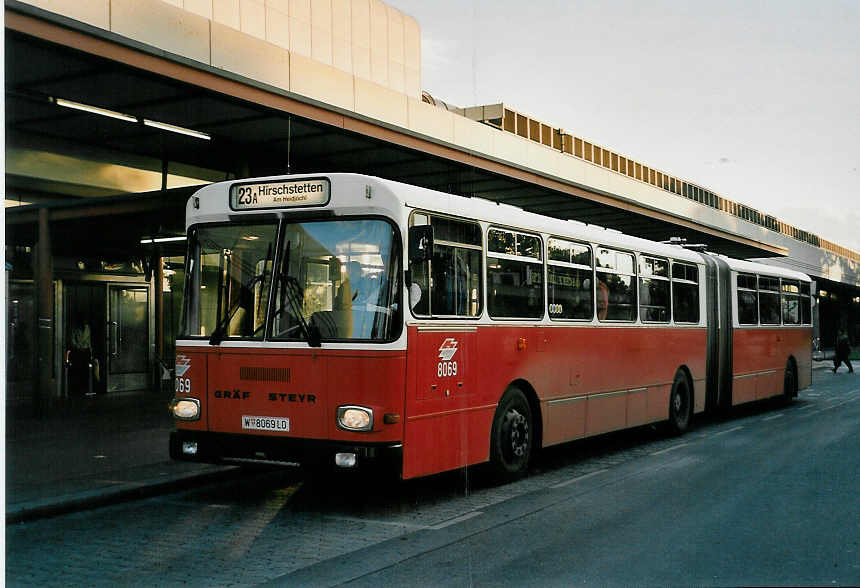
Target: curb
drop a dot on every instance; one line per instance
(91, 499)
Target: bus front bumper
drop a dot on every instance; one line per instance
(207, 447)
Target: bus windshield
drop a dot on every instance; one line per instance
(229, 276)
(334, 280)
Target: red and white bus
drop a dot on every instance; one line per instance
(348, 319)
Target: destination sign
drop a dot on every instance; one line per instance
(284, 194)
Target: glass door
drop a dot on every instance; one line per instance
(20, 346)
(128, 338)
(85, 338)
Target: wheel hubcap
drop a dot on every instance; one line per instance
(518, 431)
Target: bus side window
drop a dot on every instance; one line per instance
(747, 300)
(768, 300)
(805, 304)
(685, 293)
(449, 284)
(654, 289)
(617, 274)
(514, 274)
(569, 280)
(790, 302)
(420, 288)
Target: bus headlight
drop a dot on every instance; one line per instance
(355, 418)
(185, 409)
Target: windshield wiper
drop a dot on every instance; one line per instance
(218, 334)
(292, 292)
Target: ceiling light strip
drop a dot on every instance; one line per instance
(94, 110)
(151, 240)
(175, 129)
(128, 118)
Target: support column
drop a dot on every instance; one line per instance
(44, 291)
(158, 276)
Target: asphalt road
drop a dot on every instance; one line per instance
(767, 496)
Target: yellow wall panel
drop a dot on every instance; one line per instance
(431, 121)
(321, 82)
(237, 52)
(94, 12)
(381, 103)
(164, 26)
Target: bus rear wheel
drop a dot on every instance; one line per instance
(511, 438)
(680, 405)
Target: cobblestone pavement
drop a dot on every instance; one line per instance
(273, 523)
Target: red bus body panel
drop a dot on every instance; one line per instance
(448, 412)
(760, 356)
(587, 380)
(303, 385)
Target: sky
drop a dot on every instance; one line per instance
(757, 101)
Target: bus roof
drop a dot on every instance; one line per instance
(751, 267)
(398, 199)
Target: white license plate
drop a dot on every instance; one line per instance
(263, 423)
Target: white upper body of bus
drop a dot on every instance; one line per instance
(334, 267)
(355, 194)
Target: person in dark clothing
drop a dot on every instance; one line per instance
(843, 350)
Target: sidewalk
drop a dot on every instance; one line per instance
(93, 451)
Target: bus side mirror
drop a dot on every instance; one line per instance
(420, 243)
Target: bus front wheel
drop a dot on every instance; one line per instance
(511, 438)
(680, 405)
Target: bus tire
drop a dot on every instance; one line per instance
(789, 386)
(680, 404)
(512, 436)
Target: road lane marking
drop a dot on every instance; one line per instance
(456, 520)
(804, 407)
(831, 406)
(668, 449)
(577, 479)
(776, 416)
(732, 430)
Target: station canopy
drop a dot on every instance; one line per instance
(252, 130)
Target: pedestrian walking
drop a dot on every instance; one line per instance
(843, 351)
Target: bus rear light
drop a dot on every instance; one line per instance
(355, 418)
(185, 409)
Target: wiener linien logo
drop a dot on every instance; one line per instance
(448, 349)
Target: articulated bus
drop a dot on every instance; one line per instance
(346, 319)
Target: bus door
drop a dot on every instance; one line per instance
(442, 431)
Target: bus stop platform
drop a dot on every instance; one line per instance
(91, 451)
